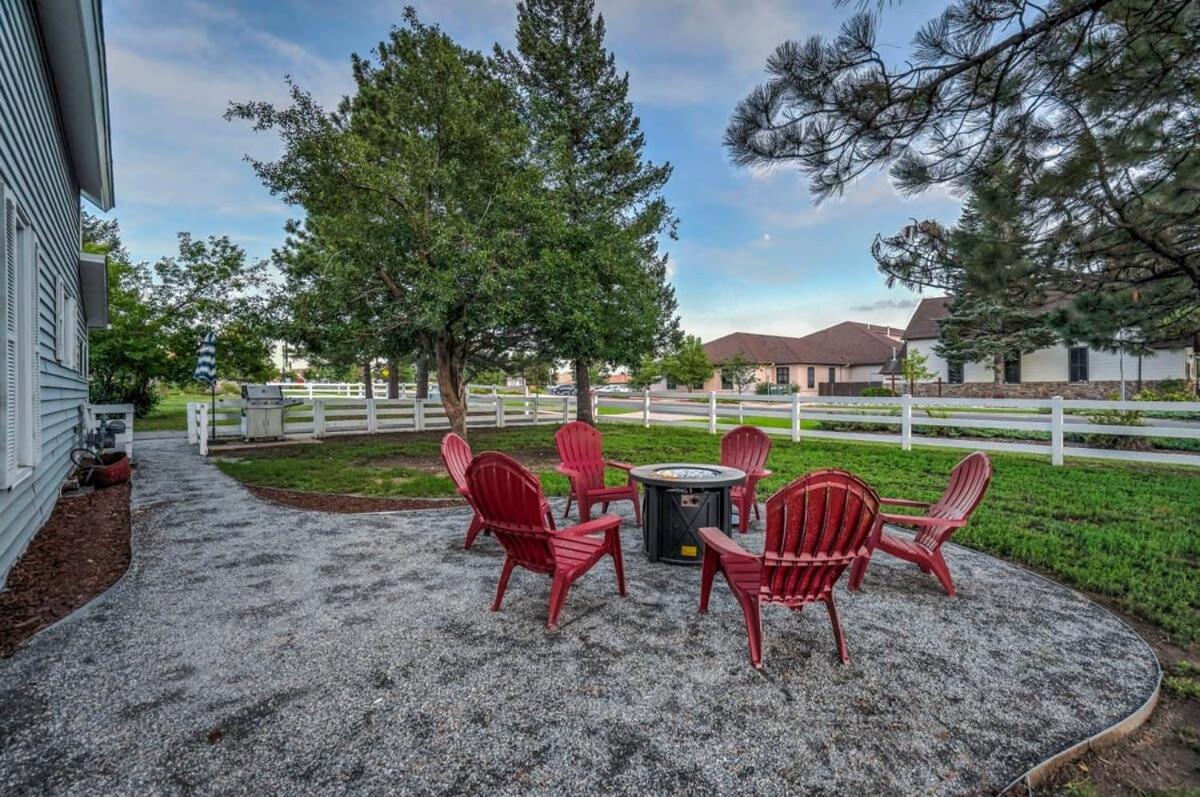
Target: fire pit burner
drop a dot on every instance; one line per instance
(680, 499)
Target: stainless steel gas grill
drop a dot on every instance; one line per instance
(263, 407)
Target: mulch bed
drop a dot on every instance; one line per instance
(81, 551)
(347, 504)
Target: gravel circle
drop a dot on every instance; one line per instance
(254, 648)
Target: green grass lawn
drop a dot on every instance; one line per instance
(1122, 530)
(170, 414)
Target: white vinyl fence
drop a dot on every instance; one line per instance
(378, 389)
(906, 418)
(94, 413)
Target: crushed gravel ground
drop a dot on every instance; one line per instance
(254, 648)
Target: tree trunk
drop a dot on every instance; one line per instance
(393, 383)
(998, 376)
(368, 381)
(422, 375)
(583, 393)
(450, 386)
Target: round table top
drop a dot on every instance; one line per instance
(687, 474)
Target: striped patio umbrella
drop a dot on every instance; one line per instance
(206, 365)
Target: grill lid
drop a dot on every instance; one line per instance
(263, 393)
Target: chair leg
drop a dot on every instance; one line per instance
(509, 563)
(585, 509)
(858, 571)
(637, 508)
(570, 498)
(708, 572)
(558, 596)
(618, 564)
(550, 518)
(937, 565)
(757, 516)
(743, 515)
(752, 611)
(843, 653)
(473, 531)
(604, 508)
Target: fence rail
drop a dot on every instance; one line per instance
(379, 389)
(1053, 427)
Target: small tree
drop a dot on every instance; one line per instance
(648, 372)
(740, 372)
(689, 365)
(915, 370)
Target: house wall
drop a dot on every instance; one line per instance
(798, 375)
(1047, 368)
(35, 168)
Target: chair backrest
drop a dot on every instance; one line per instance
(581, 447)
(456, 456)
(816, 526)
(745, 448)
(968, 483)
(509, 499)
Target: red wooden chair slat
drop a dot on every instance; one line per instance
(817, 526)
(581, 449)
(746, 448)
(510, 504)
(456, 456)
(967, 486)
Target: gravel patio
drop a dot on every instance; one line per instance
(254, 648)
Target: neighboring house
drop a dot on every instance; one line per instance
(288, 359)
(1067, 371)
(841, 359)
(54, 147)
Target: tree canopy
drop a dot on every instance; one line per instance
(1091, 105)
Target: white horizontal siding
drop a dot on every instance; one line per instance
(35, 167)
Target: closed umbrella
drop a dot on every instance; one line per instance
(206, 371)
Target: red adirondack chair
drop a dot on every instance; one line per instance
(509, 499)
(816, 527)
(581, 450)
(746, 448)
(968, 482)
(456, 456)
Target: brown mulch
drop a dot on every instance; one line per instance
(81, 551)
(347, 504)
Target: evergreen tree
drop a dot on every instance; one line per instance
(603, 296)
(1095, 100)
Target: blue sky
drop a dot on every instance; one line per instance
(754, 253)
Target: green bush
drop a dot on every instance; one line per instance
(877, 392)
(1167, 390)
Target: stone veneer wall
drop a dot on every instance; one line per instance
(1068, 390)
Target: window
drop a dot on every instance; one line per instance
(1077, 364)
(832, 375)
(954, 372)
(783, 375)
(812, 377)
(726, 382)
(1012, 369)
(21, 440)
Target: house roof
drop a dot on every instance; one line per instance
(73, 36)
(924, 320)
(847, 343)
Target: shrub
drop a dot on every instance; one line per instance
(1118, 418)
(877, 392)
(763, 388)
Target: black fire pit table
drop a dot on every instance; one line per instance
(681, 499)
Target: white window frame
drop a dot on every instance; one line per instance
(20, 355)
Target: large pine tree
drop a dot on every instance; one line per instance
(604, 295)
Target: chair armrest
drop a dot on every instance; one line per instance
(921, 520)
(612, 463)
(602, 523)
(761, 473)
(906, 502)
(715, 539)
(570, 473)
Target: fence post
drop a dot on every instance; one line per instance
(795, 417)
(646, 408)
(318, 418)
(594, 397)
(499, 413)
(712, 412)
(309, 391)
(566, 409)
(906, 422)
(1056, 430)
(418, 415)
(525, 395)
(536, 412)
(203, 408)
(191, 423)
(372, 417)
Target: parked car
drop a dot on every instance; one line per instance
(562, 390)
(613, 389)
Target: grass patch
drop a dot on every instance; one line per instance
(1120, 529)
(170, 414)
